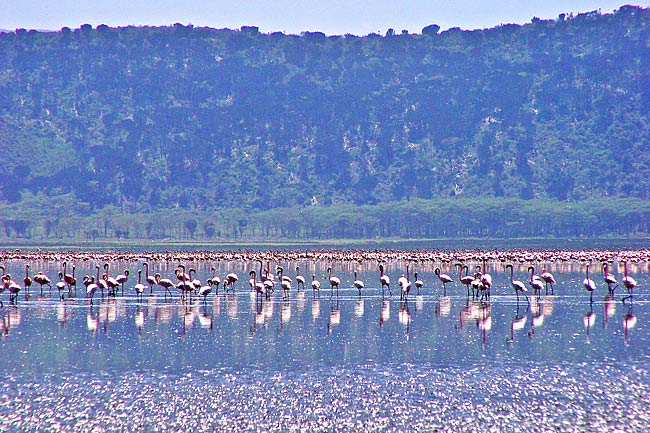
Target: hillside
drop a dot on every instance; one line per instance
(148, 119)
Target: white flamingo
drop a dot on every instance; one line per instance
(300, 280)
(384, 280)
(589, 284)
(358, 284)
(444, 279)
(315, 285)
(91, 288)
(334, 282)
(466, 279)
(517, 285)
(148, 278)
(548, 279)
(628, 282)
(609, 279)
(536, 283)
(404, 282)
(43, 280)
(166, 283)
(139, 287)
(229, 283)
(122, 278)
(418, 282)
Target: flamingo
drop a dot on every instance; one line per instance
(486, 278)
(186, 287)
(91, 288)
(123, 278)
(258, 286)
(516, 284)
(139, 287)
(110, 281)
(229, 284)
(181, 275)
(418, 283)
(384, 280)
(404, 282)
(444, 279)
(193, 280)
(60, 285)
(315, 285)
(69, 278)
(2, 286)
(205, 290)
(334, 282)
(268, 286)
(358, 283)
(609, 279)
(148, 278)
(589, 284)
(548, 279)
(86, 281)
(300, 280)
(628, 281)
(467, 279)
(215, 279)
(13, 287)
(535, 282)
(43, 280)
(27, 281)
(477, 284)
(285, 282)
(103, 285)
(164, 282)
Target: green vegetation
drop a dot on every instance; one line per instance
(414, 219)
(195, 133)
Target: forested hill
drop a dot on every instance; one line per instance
(151, 118)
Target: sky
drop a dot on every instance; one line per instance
(337, 17)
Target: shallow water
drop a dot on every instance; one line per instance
(437, 362)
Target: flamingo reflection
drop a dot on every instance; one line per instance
(300, 301)
(419, 302)
(443, 306)
(11, 318)
(405, 317)
(139, 318)
(359, 308)
(231, 305)
(518, 322)
(629, 322)
(589, 319)
(484, 322)
(285, 312)
(92, 320)
(335, 316)
(315, 309)
(384, 313)
(205, 319)
(609, 306)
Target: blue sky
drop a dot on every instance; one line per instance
(337, 17)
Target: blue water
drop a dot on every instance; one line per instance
(436, 362)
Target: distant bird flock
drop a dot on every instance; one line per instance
(267, 275)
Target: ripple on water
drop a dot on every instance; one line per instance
(404, 398)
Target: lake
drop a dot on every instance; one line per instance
(439, 361)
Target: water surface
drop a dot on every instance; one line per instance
(439, 361)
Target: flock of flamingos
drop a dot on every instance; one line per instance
(263, 282)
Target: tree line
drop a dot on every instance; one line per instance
(406, 219)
